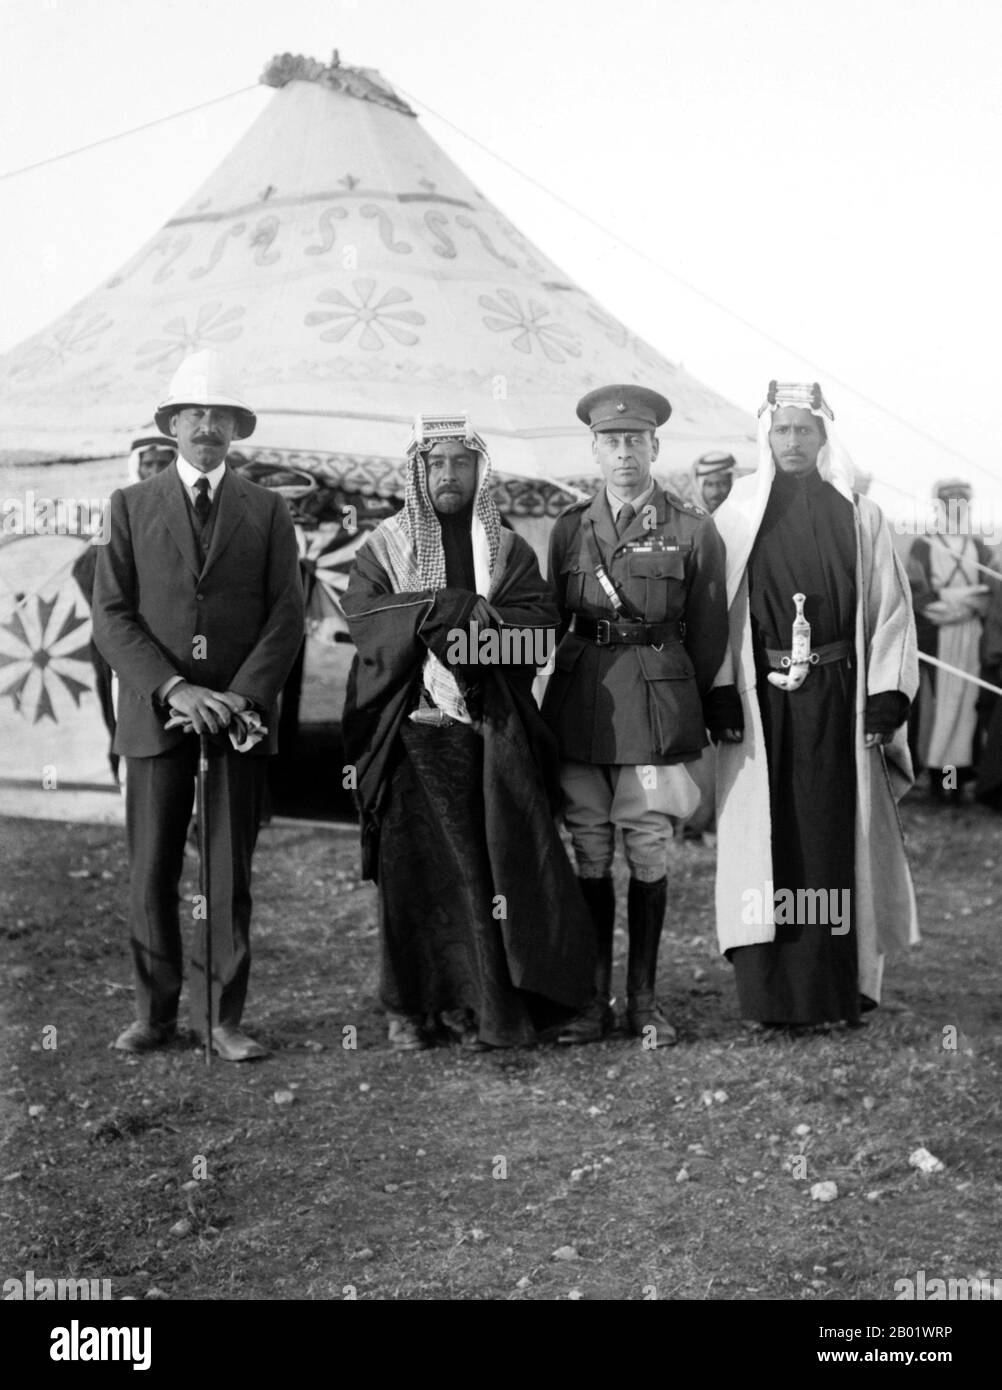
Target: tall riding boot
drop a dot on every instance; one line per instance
(646, 913)
(595, 1022)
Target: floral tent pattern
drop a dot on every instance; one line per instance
(354, 277)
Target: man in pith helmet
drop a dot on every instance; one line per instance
(198, 608)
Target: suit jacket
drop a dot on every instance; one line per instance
(154, 598)
(636, 704)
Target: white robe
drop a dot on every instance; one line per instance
(883, 906)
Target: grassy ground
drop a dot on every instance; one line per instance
(604, 1172)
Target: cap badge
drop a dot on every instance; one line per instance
(620, 406)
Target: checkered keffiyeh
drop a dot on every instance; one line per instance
(420, 519)
(420, 524)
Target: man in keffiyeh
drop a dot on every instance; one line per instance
(951, 599)
(484, 934)
(712, 479)
(813, 887)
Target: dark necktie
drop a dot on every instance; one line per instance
(624, 519)
(202, 503)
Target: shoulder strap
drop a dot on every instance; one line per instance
(620, 604)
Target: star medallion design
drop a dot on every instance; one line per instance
(40, 654)
(375, 317)
(213, 324)
(529, 325)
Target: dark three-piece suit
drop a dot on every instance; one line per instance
(219, 604)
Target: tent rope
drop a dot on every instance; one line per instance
(599, 226)
(110, 139)
(956, 671)
(704, 295)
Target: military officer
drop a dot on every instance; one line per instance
(639, 577)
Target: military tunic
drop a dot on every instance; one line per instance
(637, 704)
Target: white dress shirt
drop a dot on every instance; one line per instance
(189, 476)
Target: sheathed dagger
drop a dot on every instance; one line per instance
(801, 658)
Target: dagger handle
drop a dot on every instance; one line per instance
(800, 644)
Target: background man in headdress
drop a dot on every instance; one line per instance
(639, 577)
(807, 800)
(712, 479)
(148, 454)
(198, 607)
(483, 931)
(951, 598)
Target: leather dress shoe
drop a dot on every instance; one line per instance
(145, 1037)
(591, 1025)
(640, 1017)
(234, 1046)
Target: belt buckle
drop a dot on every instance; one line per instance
(603, 638)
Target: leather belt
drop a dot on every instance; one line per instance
(820, 656)
(609, 632)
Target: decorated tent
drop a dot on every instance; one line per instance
(354, 277)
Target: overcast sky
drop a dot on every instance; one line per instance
(826, 169)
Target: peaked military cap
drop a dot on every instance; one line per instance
(623, 408)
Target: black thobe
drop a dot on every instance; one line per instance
(806, 544)
(479, 909)
(442, 950)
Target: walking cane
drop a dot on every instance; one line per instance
(205, 880)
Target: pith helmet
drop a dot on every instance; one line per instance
(205, 378)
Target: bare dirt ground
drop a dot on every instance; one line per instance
(607, 1172)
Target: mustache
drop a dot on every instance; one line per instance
(207, 439)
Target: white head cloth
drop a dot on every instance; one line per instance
(139, 446)
(739, 517)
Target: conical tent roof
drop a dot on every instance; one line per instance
(354, 277)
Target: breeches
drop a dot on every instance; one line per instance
(598, 798)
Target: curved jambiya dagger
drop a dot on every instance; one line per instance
(801, 658)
